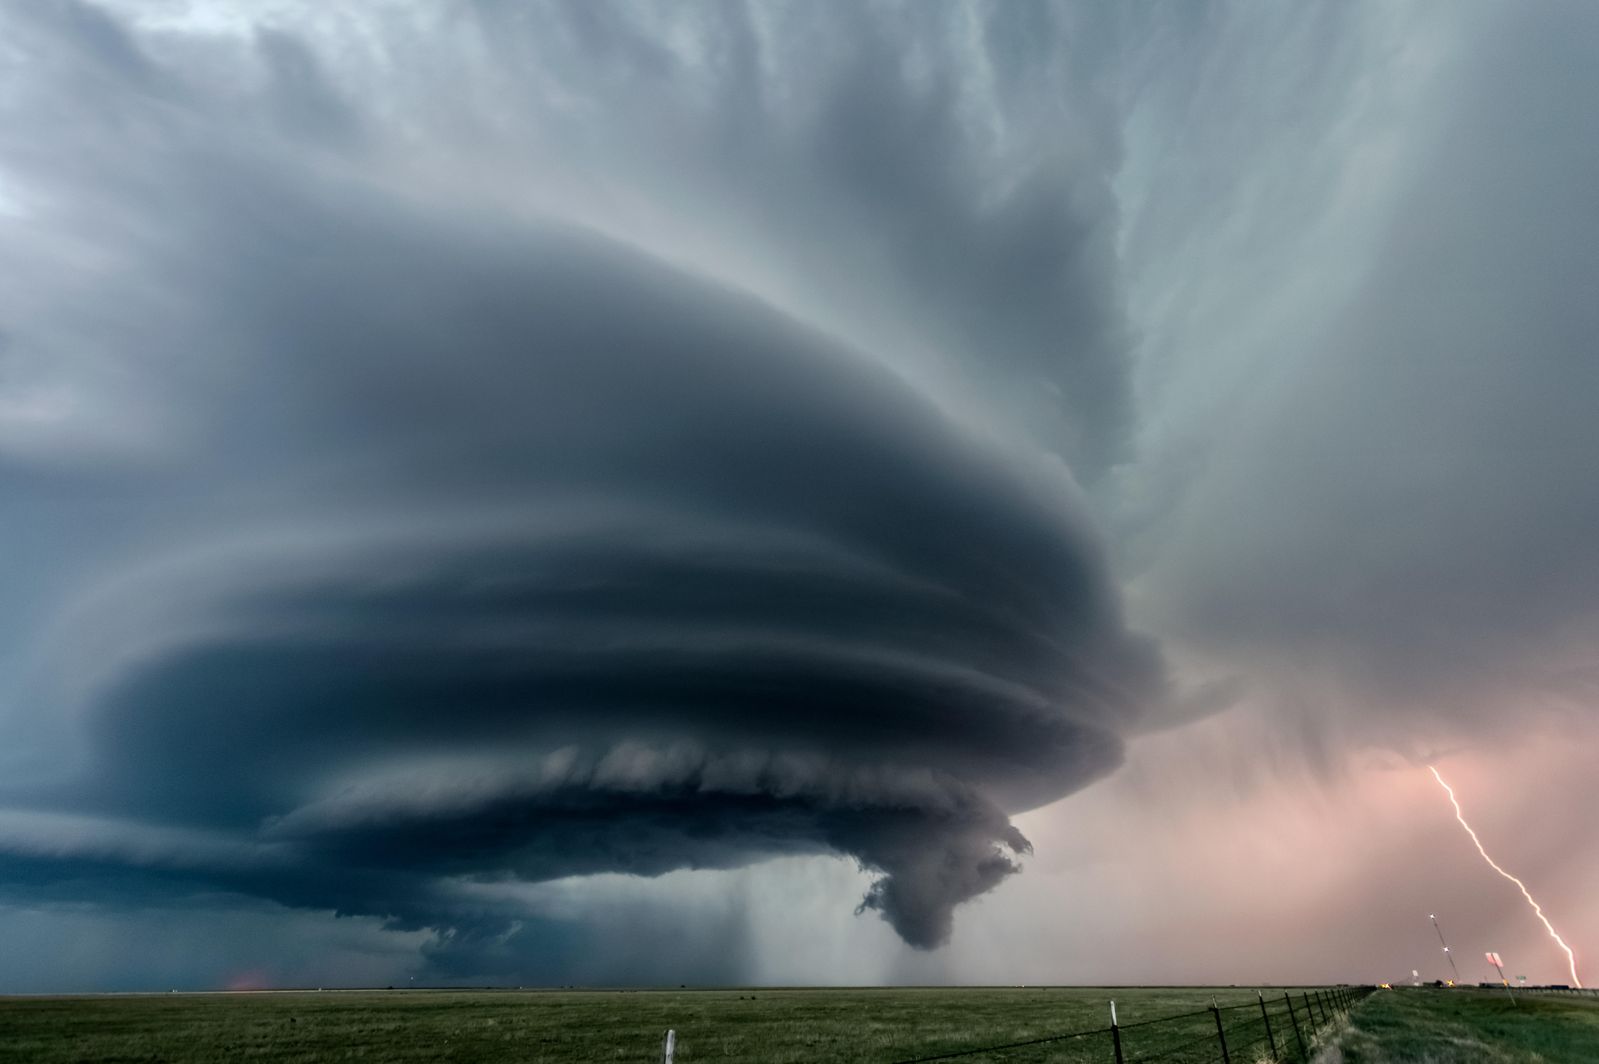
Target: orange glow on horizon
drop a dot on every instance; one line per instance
(250, 980)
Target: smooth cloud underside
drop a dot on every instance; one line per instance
(452, 545)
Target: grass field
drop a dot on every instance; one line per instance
(1472, 1027)
(868, 1026)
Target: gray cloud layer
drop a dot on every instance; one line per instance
(527, 441)
(435, 543)
(1367, 452)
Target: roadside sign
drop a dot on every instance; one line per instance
(1499, 966)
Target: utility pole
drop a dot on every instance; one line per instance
(1445, 945)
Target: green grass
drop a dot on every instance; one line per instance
(867, 1026)
(1424, 1026)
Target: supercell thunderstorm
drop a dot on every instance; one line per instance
(428, 547)
(452, 455)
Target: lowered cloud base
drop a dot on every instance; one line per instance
(461, 451)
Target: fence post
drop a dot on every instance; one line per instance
(1310, 1014)
(1295, 1020)
(1115, 1034)
(1221, 1035)
(671, 1046)
(1321, 1007)
(1270, 1038)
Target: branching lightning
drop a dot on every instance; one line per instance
(1571, 958)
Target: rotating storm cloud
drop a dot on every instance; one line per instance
(459, 451)
(441, 544)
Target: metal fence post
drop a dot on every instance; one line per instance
(1270, 1039)
(1115, 1034)
(1221, 1035)
(1310, 1014)
(1321, 1007)
(1295, 1020)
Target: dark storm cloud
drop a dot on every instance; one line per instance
(951, 162)
(447, 543)
(448, 452)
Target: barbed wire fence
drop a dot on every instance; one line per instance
(1285, 1027)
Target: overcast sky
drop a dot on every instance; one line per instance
(849, 493)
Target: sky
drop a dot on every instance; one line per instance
(628, 493)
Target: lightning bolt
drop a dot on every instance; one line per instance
(1571, 958)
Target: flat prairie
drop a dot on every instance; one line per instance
(754, 1026)
(1471, 1027)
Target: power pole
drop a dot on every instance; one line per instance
(1445, 945)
